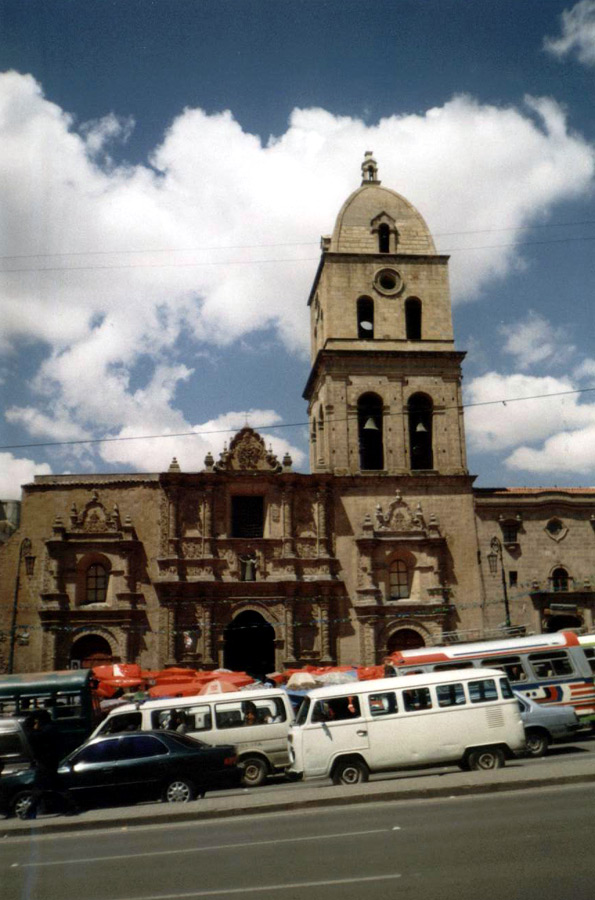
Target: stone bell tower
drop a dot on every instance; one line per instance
(384, 391)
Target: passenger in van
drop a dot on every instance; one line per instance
(178, 722)
(250, 717)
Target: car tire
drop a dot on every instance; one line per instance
(179, 790)
(21, 804)
(537, 742)
(255, 771)
(350, 771)
(486, 759)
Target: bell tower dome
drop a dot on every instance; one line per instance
(384, 390)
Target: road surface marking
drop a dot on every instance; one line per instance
(291, 840)
(266, 887)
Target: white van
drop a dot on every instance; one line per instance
(256, 722)
(470, 718)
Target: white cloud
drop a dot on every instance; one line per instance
(586, 370)
(190, 451)
(578, 33)
(570, 452)
(535, 340)
(14, 472)
(561, 428)
(235, 217)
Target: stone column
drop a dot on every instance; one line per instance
(322, 542)
(289, 635)
(208, 522)
(207, 618)
(172, 516)
(325, 633)
(287, 520)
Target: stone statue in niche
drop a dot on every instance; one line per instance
(248, 565)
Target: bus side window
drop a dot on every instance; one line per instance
(450, 694)
(549, 663)
(383, 704)
(512, 667)
(417, 699)
(590, 654)
(482, 691)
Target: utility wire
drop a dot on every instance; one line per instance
(252, 262)
(150, 437)
(282, 244)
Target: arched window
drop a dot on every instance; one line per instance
(420, 431)
(365, 318)
(369, 420)
(399, 581)
(384, 238)
(560, 579)
(413, 319)
(96, 584)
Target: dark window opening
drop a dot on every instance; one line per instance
(413, 319)
(369, 417)
(560, 579)
(554, 526)
(420, 432)
(384, 238)
(96, 584)
(513, 578)
(365, 318)
(247, 517)
(510, 532)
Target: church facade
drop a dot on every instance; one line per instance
(250, 565)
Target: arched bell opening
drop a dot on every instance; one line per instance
(420, 431)
(370, 432)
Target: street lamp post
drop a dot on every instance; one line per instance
(494, 555)
(24, 552)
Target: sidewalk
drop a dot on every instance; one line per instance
(447, 782)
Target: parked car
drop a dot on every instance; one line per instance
(16, 753)
(127, 767)
(255, 721)
(545, 724)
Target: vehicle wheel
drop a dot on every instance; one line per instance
(490, 758)
(21, 804)
(537, 743)
(179, 790)
(350, 771)
(255, 771)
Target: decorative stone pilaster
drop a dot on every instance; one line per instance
(325, 633)
(287, 519)
(289, 635)
(208, 634)
(322, 543)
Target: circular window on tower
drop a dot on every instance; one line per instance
(388, 281)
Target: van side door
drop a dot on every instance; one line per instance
(337, 726)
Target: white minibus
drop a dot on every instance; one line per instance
(255, 722)
(468, 718)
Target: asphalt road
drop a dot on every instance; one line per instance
(535, 846)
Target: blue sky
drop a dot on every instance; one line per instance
(168, 167)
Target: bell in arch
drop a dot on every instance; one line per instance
(370, 425)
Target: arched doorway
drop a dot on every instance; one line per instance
(404, 639)
(563, 623)
(250, 644)
(91, 650)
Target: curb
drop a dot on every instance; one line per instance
(37, 827)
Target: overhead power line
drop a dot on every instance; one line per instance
(118, 252)
(279, 426)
